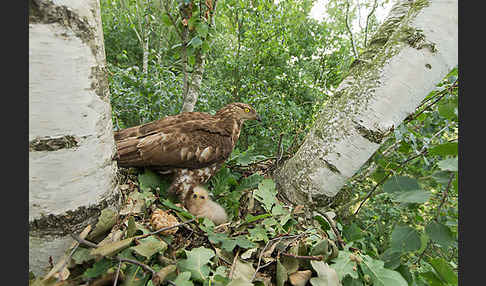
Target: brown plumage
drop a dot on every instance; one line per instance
(198, 203)
(192, 145)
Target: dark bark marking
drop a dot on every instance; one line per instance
(53, 144)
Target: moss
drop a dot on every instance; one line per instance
(71, 221)
(53, 144)
(370, 135)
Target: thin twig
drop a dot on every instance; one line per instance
(144, 266)
(165, 228)
(444, 196)
(279, 151)
(84, 241)
(349, 30)
(265, 248)
(233, 265)
(318, 257)
(375, 4)
(386, 177)
(117, 273)
(334, 229)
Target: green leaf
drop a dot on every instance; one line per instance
(445, 149)
(348, 281)
(258, 233)
(432, 279)
(81, 255)
(327, 276)
(112, 248)
(195, 42)
(249, 182)
(266, 194)
(444, 270)
(380, 275)
(439, 233)
(448, 164)
(352, 232)
(282, 274)
(344, 265)
(243, 270)
(404, 239)
(149, 246)
(417, 196)
(98, 268)
(131, 227)
(106, 221)
(166, 20)
(183, 279)
(150, 180)
(447, 110)
(391, 258)
(202, 29)
(196, 263)
(400, 184)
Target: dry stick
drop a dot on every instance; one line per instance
(144, 266)
(386, 177)
(117, 273)
(232, 270)
(318, 257)
(166, 228)
(263, 251)
(444, 196)
(279, 151)
(84, 241)
(334, 229)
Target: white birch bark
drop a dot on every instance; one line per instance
(194, 86)
(411, 52)
(71, 171)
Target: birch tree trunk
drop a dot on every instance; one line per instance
(410, 53)
(71, 171)
(194, 85)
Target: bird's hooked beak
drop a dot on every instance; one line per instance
(258, 118)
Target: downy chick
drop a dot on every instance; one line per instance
(199, 204)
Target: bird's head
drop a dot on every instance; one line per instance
(198, 196)
(242, 111)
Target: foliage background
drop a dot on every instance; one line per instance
(286, 64)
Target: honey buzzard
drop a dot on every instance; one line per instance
(191, 145)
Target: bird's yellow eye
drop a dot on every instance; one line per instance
(247, 110)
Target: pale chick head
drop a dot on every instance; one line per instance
(199, 196)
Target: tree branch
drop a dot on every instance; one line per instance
(349, 30)
(375, 4)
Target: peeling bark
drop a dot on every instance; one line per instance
(410, 53)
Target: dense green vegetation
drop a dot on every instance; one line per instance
(272, 55)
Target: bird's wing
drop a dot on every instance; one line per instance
(157, 125)
(192, 144)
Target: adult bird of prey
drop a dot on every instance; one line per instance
(191, 145)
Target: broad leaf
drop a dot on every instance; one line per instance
(149, 246)
(417, 196)
(326, 276)
(405, 238)
(344, 265)
(448, 164)
(400, 184)
(183, 279)
(266, 194)
(445, 149)
(197, 263)
(444, 270)
(439, 233)
(380, 275)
